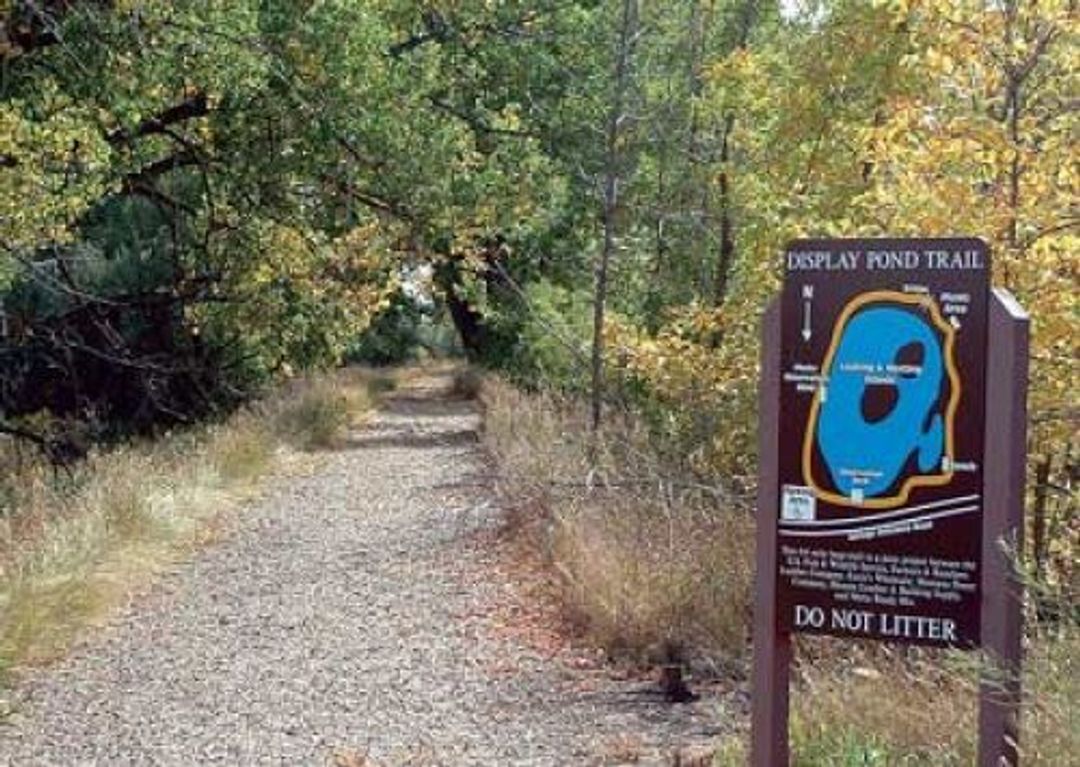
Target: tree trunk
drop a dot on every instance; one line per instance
(726, 257)
(467, 321)
(725, 260)
(616, 116)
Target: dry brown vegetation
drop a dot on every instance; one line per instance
(315, 413)
(75, 542)
(650, 557)
(653, 563)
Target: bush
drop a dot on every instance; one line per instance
(318, 416)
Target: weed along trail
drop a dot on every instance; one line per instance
(354, 616)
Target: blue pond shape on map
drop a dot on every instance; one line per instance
(867, 456)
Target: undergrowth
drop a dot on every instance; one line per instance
(655, 564)
(884, 708)
(318, 412)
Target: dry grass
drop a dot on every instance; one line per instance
(320, 411)
(1050, 727)
(627, 748)
(874, 706)
(647, 580)
(75, 543)
(350, 757)
(72, 545)
(651, 564)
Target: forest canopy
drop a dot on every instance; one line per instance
(197, 197)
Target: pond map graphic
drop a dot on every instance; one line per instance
(882, 400)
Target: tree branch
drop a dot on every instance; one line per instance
(477, 124)
(157, 168)
(196, 106)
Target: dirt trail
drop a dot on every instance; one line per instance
(344, 615)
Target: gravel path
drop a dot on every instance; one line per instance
(328, 628)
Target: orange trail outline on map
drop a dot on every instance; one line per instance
(919, 480)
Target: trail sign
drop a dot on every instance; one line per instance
(891, 466)
(883, 367)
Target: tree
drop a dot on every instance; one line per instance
(614, 161)
(176, 229)
(986, 145)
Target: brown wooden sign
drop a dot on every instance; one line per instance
(883, 367)
(891, 467)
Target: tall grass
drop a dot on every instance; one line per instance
(72, 543)
(881, 707)
(317, 413)
(75, 542)
(653, 562)
(467, 383)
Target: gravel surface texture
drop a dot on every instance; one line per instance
(327, 628)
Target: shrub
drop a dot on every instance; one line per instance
(317, 417)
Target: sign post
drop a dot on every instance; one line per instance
(1003, 525)
(887, 493)
(772, 649)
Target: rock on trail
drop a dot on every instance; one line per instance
(326, 628)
